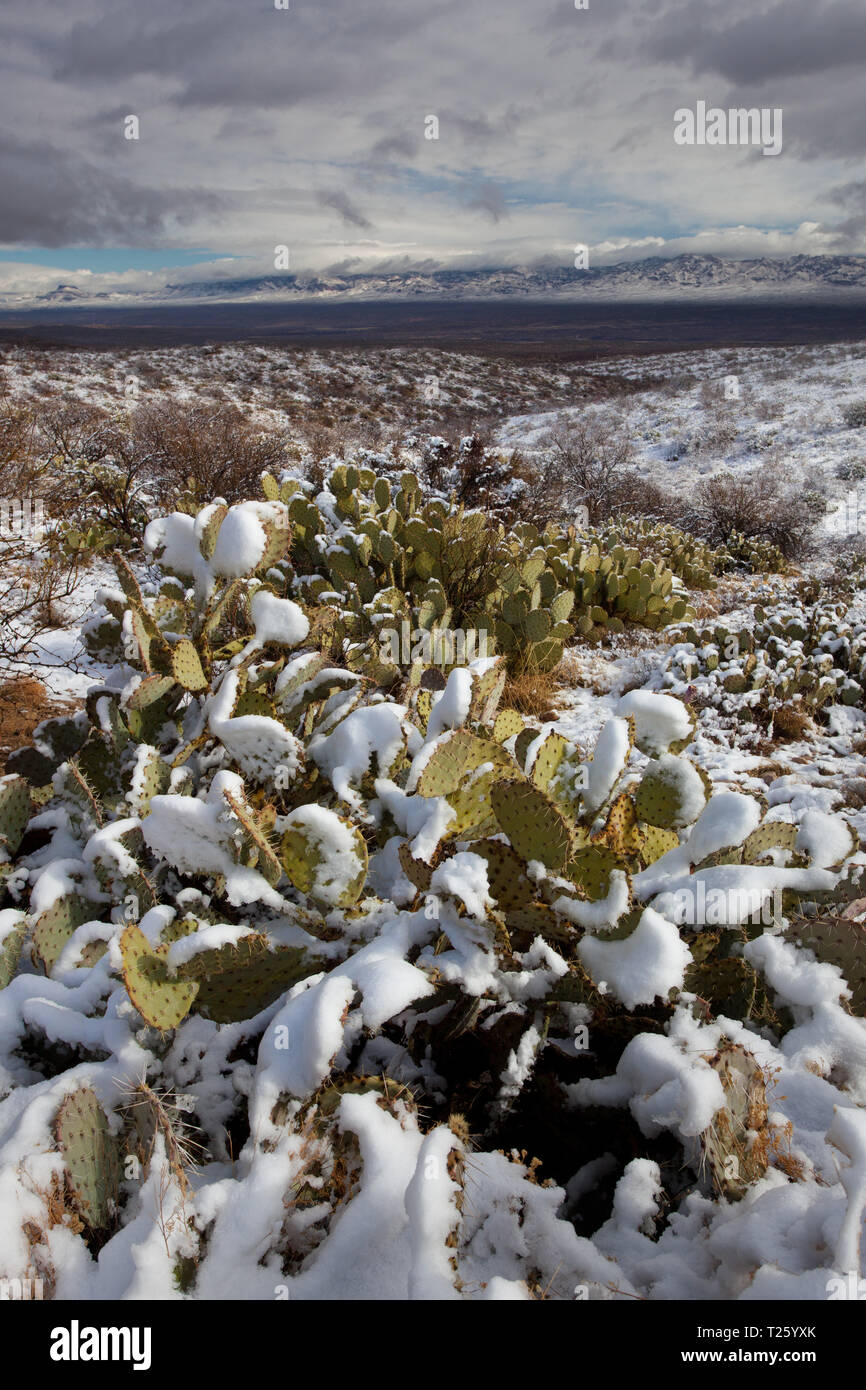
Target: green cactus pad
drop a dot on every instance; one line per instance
(522, 745)
(728, 984)
(547, 759)
(418, 871)
(837, 941)
(670, 794)
(621, 832)
(186, 666)
(590, 869)
(237, 981)
(772, 835)
(325, 858)
(506, 874)
(151, 689)
(14, 814)
(162, 1002)
(10, 948)
(455, 758)
(536, 828)
(90, 1152)
(486, 693)
(508, 723)
(656, 842)
(56, 924)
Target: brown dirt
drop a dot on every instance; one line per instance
(24, 703)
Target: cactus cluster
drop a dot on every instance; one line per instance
(754, 555)
(687, 556)
(814, 654)
(286, 891)
(379, 553)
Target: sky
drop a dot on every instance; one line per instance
(305, 127)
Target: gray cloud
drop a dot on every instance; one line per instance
(306, 126)
(394, 147)
(52, 199)
(342, 204)
(792, 38)
(488, 198)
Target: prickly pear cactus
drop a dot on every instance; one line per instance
(14, 814)
(90, 1152)
(161, 1001)
(737, 1145)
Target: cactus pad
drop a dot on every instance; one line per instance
(536, 828)
(14, 814)
(90, 1152)
(186, 666)
(162, 1002)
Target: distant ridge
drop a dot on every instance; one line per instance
(678, 278)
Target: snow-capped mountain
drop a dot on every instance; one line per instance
(681, 276)
(676, 278)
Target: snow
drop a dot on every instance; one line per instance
(464, 876)
(240, 542)
(197, 835)
(660, 720)
(277, 620)
(375, 733)
(727, 820)
(451, 706)
(172, 539)
(848, 1134)
(431, 1208)
(604, 912)
(608, 761)
(424, 820)
(648, 963)
(257, 743)
(684, 781)
(824, 838)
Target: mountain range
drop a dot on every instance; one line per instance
(677, 278)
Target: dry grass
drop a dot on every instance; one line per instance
(791, 723)
(24, 703)
(534, 693)
(853, 791)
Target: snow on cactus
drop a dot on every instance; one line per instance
(372, 931)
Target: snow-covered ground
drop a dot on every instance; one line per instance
(786, 1238)
(732, 409)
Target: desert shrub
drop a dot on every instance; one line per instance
(206, 450)
(764, 504)
(36, 576)
(851, 470)
(589, 464)
(97, 465)
(854, 415)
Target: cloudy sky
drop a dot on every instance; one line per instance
(305, 127)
